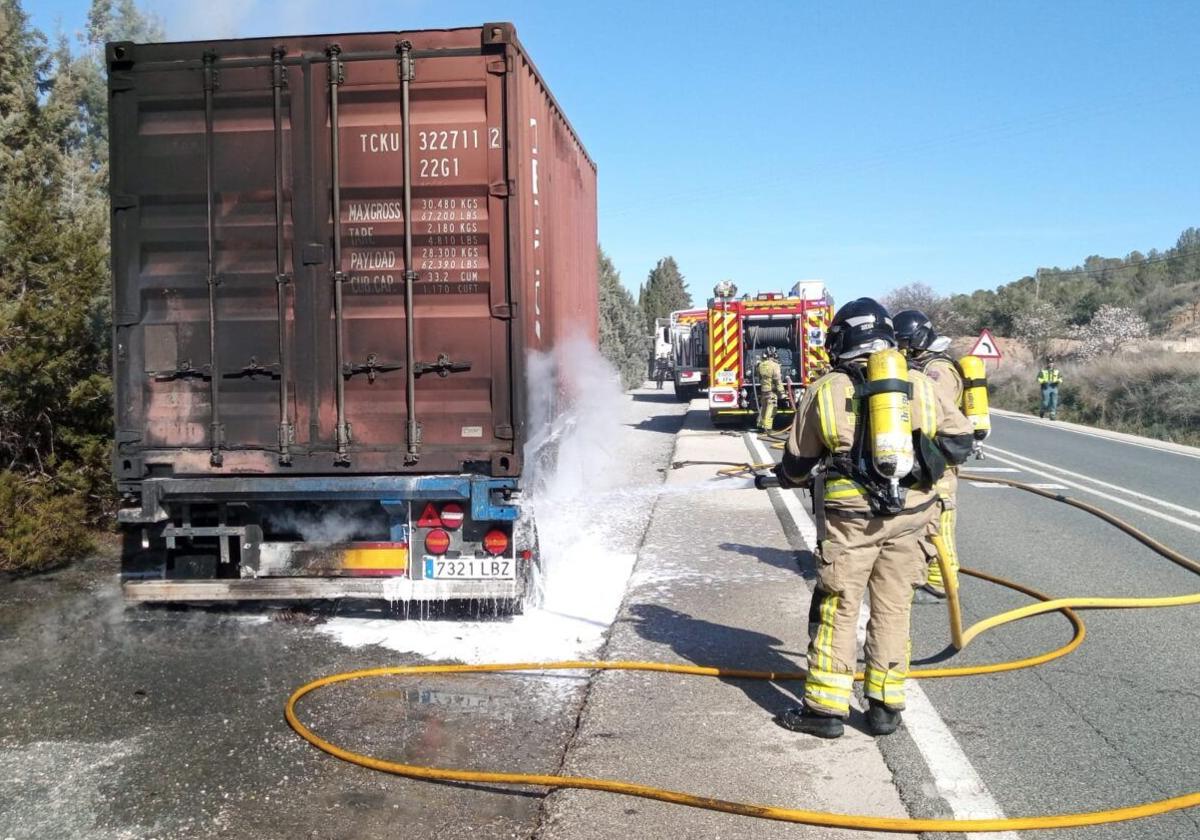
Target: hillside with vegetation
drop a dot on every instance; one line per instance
(1108, 322)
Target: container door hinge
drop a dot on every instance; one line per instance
(120, 82)
(503, 189)
(503, 311)
(503, 431)
(500, 66)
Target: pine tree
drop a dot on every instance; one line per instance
(622, 338)
(664, 292)
(55, 415)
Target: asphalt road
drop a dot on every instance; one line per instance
(160, 723)
(1115, 723)
(121, 723)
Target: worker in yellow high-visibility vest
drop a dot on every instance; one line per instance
(1050, 378)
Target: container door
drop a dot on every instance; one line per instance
(167, 128)
(460, 310)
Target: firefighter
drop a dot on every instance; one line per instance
(1049, 378)
(770, 388)
(661, 368)
(877, 526)
(925, 351)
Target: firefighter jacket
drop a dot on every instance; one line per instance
(825, 429)
(948, 382)
(770, 377)
(1049, 376)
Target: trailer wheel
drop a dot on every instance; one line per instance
(529, 574)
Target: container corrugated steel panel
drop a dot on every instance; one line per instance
(503, 236)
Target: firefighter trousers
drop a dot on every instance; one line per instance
(947, 522)
(887, 558)
(767, 404)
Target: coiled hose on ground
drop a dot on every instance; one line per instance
(960, 639)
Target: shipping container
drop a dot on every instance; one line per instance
(332, 258)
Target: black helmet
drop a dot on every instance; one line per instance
(914, 330)
(861, 326)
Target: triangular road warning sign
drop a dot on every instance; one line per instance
(429, 518)
(986, 346)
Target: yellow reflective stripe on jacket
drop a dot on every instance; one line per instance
(843, 488)
(826, 415)
(928, 407)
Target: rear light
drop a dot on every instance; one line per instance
(526, 555)
(723, 397)
(437, 542)
(452, 516)
(495, 543)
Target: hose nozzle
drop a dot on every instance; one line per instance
(763, 481)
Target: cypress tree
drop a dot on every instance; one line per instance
(623, 340)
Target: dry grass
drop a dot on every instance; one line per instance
(1153, 395)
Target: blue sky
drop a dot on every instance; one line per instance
(959, 144)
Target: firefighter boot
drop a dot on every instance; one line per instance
(809, 722)
(881, 720)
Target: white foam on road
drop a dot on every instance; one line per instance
(956, 780)
(571, 624)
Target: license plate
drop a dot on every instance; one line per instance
(471, 568)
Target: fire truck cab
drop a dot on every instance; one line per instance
(740, 331)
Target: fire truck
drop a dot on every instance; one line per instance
(741, 330)
(689, 352)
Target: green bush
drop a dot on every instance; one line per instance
(42, 525)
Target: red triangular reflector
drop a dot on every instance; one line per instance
(429, 518)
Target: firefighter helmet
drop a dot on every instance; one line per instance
(771, 353)
(859, 328)
(914, 330)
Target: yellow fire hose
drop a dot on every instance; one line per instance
(960, 639)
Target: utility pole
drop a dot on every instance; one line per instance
(1037, 286)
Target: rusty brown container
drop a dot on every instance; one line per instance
(270, 198)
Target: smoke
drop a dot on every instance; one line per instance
(574, 414)
(588, 519)
(327, 526)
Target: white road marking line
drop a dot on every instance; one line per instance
(1137, 495)
(990, 469)
(1103, 434)
(989, 486)
(802, 521)
(1191, 526)
(1049, 486)
(955, 777)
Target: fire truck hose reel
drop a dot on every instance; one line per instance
(960, 638)
(762, 337)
